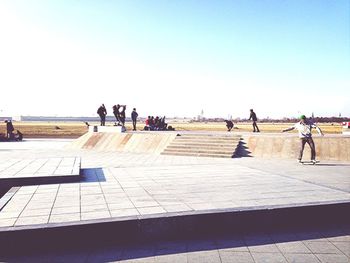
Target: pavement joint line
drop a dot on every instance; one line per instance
(313, 183)
(104, 197)
(47, 159)
(338, 248)
(58, 166)
(124, 191)
(26, 205)
(53, 204)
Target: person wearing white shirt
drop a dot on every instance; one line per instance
(304, 128)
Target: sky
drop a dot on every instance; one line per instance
(282, 58)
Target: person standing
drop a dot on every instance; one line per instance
(102, 112)
(255, 119)
(304, 128)
(9, 129)
(134, 116)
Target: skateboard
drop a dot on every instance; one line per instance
(309, 162)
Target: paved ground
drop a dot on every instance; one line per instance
(117, 185)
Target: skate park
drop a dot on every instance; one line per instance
(167, 185)
(174, 131)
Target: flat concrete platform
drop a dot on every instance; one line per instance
(157, 193)
(29, 171)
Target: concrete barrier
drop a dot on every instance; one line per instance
(329, 147)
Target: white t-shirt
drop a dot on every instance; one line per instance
(304, 129)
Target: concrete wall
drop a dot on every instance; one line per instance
(269, 146)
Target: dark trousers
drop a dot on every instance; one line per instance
(255, 126)
(117, 117)
(311, 143)
(134, 124)
(103, 120)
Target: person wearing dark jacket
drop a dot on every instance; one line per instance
(122, 114)
(102, 112)
(254, 119)
(229, 125)
(9, 129)
(134, 115)
(116, 113)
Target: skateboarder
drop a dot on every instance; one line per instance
(122, 114)
(102, 112)
(304, 128)
(134, 115)
(229, 125)
(255, 119)
(116, 113)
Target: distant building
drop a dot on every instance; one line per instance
(2, 119)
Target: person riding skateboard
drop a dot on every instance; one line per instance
(255, 119)
(304, 128)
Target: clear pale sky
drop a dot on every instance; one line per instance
(175, 58)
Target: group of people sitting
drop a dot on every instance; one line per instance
(155, 124)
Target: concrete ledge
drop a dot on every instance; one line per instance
(172, 226)
(63, 170)
(115, 129)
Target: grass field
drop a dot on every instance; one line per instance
(76, 129)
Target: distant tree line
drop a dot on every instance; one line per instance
(283, 120)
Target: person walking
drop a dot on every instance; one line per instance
(304, 128)
(134, 115)
(102, 112)
(255, 119)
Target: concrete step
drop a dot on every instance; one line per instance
(205, 144)
(201, 147)
(206, 140)
(210, 151)
(198, 154)
(207, 135)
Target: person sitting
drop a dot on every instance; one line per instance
(147, 123)
(156, 123)
(18, 136)
(229, 125)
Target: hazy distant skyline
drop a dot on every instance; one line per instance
(175, 58)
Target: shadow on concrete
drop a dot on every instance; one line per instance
(92, 175)
(245, 228)
(242, 150)
(111, 252)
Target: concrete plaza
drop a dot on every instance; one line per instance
(118, 186)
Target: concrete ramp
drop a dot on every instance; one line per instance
(124, 142)
(329, 147)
